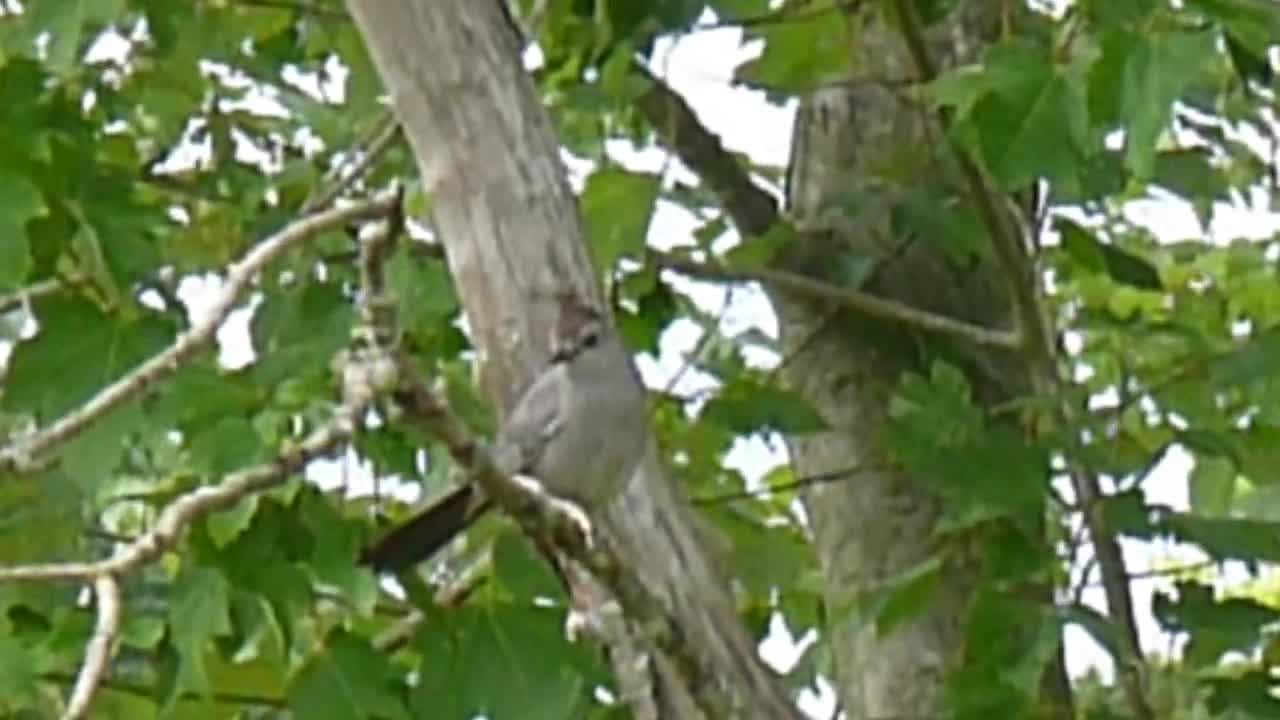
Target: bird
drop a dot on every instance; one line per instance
(579, 430)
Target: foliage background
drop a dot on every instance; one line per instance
(260, 608)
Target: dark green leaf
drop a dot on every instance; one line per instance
(1257, 358)
(745, 406)
(617, 206)
(199, 610)
(1121, 266)
(77, 351)
(522, 571)
(349, 680)
(20, 201)
(469, 653)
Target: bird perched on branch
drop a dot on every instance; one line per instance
(579, 430)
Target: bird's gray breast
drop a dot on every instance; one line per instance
(602, 431)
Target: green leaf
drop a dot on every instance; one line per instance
(906, 595)
(349, 680)
(227, 445)
(521, 570)
(77, 350)
(1254, 24)
(760, 251)
(767, 557)
(198, 612)
(425, 299)
(797, 56)
(20, 201)
(1250, 693)
(1215, 626)
(1033, 120)
(337, 543)
(1121, 266)
(19, 667)
(746, 406)
(1257, 358)
(1226, 538)
(617, 206)
(469, 652)
(1160, 67)
(939, 218)
(1212, 486)
(227, 525)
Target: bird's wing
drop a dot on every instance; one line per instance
(535, 419)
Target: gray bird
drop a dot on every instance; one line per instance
(579, 430)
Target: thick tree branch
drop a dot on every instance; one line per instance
(857, 301)
(24, 453)
(750, 207)
(106, 592)
(1038, 344)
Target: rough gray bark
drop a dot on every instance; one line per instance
(509, 225)
(879, 524)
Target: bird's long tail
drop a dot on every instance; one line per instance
(425, 533)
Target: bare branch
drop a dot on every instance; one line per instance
(44, 288)
(302, 6)
(796, 484)
(343, 176)
(451, 595)
(150, 693)
(106, 590)
(180, 513)
(788, 13)
(857, 301)
(23, 453)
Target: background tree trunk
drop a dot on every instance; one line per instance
(879, 523)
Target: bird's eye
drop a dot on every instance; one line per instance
(590, 339)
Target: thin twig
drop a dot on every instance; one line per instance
(473, 577)
(788, 13)
(98, 651)
(343, 176)
(23, 453)
(855, 300)
(19, 298)
(806, 481)
(150, 693)
(302, 6)
(701, 346)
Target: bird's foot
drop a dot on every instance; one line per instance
(561, 514)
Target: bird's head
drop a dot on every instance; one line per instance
(579, 327)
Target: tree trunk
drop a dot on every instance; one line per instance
(879, 523)
(509, 225)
